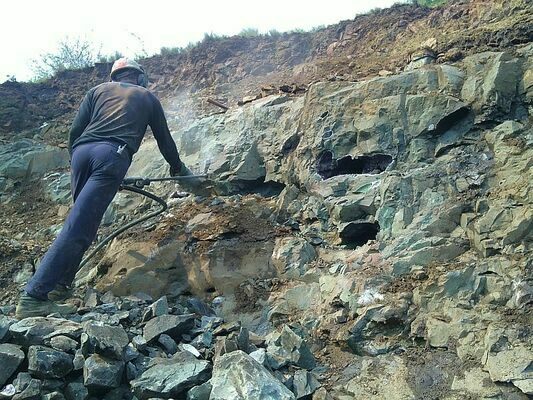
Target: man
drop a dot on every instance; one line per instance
(106, 132)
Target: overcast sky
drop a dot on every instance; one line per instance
(33, 27)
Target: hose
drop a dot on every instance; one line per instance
(117, 232)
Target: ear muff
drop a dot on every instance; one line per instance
(142, 79)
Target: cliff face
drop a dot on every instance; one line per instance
(365, 239)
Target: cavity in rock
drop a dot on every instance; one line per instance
(259, 186)
(328, 167)
(358, 233)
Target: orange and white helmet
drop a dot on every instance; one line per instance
(125, 63)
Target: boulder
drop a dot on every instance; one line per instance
(304, 384)
(101, 374)
(200, 392)
(108, 341)
(36, 330)
(26, 157)
(11, 356)
(171, 377)
(237, 376)
(287, 348)
(45, 363)
(172, 325)
(76, 391)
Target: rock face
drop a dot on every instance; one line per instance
(238, 376)
(372, 237)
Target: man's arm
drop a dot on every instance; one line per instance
(82, 119)
(166, 144)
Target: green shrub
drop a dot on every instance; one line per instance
(167, 51)
(249, 32)
(430, 3)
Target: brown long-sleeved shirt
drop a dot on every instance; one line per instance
(121, 112)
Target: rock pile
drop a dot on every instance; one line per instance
(133, 348)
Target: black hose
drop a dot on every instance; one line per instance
(117, 232)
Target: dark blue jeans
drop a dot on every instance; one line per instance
(97, 170)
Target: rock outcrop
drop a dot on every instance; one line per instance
(364, 239)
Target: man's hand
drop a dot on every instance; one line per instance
(179, 170)
(193, 185)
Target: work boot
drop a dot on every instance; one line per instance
(61, 292)
(31, 307)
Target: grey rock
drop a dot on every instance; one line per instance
(169, 345)
(139, 342)
(27, 157)
(172, 325)
(64, 343)
(171, 377)
(101, 374)
(200, 392)
(304, 383)
(44, 362)
(53, 385)
(199, 307)
(224, 345)
(108, 341)
(76, 391)
(287, 348)
(36, 330)
(5, 323)
(237, 376)
(11, 356)
(130, 353)
(203, 340)
(53, 396)
(31, 391)
(259, 355)
(189, 348)
(22, 381)
(159, 307)
(78, 360)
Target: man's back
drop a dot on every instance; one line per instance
(117, 111)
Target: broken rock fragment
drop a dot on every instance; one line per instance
(101, 374)
(237, 376)
(172, 325)
(287, 348)
(35, 330)
(169, 378)
(10, 358)
(44, 362)
(108, 341)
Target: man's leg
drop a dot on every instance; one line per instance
(61, 262)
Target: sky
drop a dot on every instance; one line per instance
(30, 28)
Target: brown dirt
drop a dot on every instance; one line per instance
(28, 212)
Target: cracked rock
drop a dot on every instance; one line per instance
(169, 378)
(44, 362)
(10, 358)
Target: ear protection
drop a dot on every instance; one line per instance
(142, 79)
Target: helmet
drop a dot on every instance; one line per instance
(125, 63)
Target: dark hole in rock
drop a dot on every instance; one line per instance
(259, 186)
(356, 234)
(290, 144)
(327, 166)
(450, 120)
